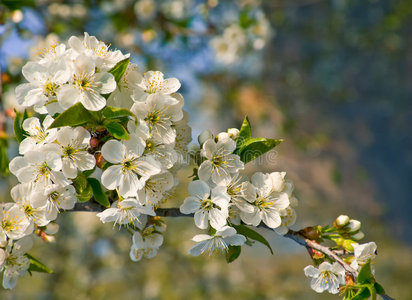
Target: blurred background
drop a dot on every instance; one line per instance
(333, 78)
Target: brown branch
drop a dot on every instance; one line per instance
(291, 234)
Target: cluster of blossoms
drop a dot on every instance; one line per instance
(101, 120)
(345, 232)
(140, 168)
(221, 197)
(236, 39)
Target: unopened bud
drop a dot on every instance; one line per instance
(193, 148)
(339, 241)
(204, 136)
(99, 159)
(310, 233)
(341, 221)
(233, 133)
(353, 225)
(348, 245)
(358, 236)
(222, 136)
(94, 142)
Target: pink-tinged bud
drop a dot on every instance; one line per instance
(204, 136)
(341, 221)
(94, 142)
(353, 225)
(99, 159)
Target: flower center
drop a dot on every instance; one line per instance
(49, 89)
(69, 151)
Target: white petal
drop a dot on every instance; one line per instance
(235, 240)
(205, 170)
(93, 101)
(190, 205)
(201, 219)
(199, 189)
(112, 177)
(113, 151)
(106, 83)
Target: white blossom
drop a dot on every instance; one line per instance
(364, 253)
(207, 205)
(73, 143)
(41, 167)
(127, 211)
(130, 169)
(96, 51)
(86, 86)
(266, 193)
(327, 278)
(38, 134)
(14, 261)
(218, 242)
(145, 243)
(220, 161)
(153, 83)
(14, 224)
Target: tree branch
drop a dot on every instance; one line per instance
(291, 234)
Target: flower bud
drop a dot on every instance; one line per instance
(353, 225)
(339, 241)
(94, 142)
(233, 133)
(348, 245)
(222, 136)
(358, 236)
(341, 221)
(204, 136)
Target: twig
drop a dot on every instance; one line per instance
(291, 234)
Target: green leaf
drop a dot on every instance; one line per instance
(83, 188)
(37, 266)
(74, 116)
(118, 70)
(245, 133)
(115, 112)
(17, 126)
(98, 192)
(254, 148)
(87, 173)
(250, 233)
(379, 289)
(365, 274)
(4, 160)
(363, 293)
(232, 253)
(116, 130)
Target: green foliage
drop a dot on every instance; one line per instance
(365, 274)
(117, 130)
(250, 233)
(245, 133)
(249, 148)
(83, 188)
(118, 70)
(74, 116)
(254, 148)
(19, 132)
(363, 293)
(98, 192)
(4, 160)
(37, 266)
(115, 112)
(233, 253)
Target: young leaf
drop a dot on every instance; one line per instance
(254, 148)
(362, 294)
(74, 116)
(365, 274)
(98, 192)
(4, 160)
(17, 126)
(232, 253)
(250, 233)
(115, 112)
(117, 130)
(245, 133)
(83, 188)
(118, 70)
(37, 266)
(379, 289)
